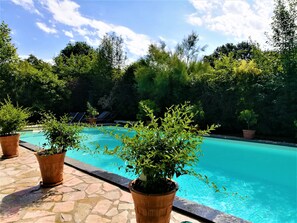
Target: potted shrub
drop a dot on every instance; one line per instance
(12, 119)
(60, 137)
(156, 152)
(249, 117)
(91, 113)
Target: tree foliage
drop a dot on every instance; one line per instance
(188, 50)
(35, 87)
(284, 39)
(162, 77)
(284, 25)
(73, 65)
(8, 60)
(7, 49)
(107, 68)
(241, 51)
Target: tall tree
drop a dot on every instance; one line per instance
(8, 60)
(40, 89)
(188, 50)
(38, 63)
(125, 94)
(241, 51)
(162, 77)
(284, 39)
(77, 48)
(107, 68)
(284, 25)
(74, 60)
(73, 65)
(7, 49)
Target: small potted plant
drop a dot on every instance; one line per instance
(60, 137)
(12, 119)
(157, 152)
(91, 113)
(249, 117)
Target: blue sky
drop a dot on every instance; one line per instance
(44, 27)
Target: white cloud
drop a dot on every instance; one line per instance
(204, 5)
(50, 61)
(136, 43)
(66, 12)
(92, 41)
(27, 4)
(82, 31)
(23, 57)
(68, 33)
(45, 28)
(240, 19)
(194, 19)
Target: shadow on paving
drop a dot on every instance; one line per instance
(12, 203)
(2, 159)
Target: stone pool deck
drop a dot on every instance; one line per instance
(81, 198)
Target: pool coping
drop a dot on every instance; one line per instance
(255, 140)
(192, 209)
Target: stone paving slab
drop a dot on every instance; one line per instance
(81, 198)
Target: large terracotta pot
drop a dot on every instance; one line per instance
(10, 145)
(248, 134)
(152, 208)
(51, 168)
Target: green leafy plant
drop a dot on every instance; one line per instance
(141, 115)
(91, 111)
(164, 148)
(60, 135)
(12, 118)
(197, 109)
(249, 117)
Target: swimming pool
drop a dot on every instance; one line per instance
(265, 173)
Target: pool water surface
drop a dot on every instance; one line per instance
(263, 175)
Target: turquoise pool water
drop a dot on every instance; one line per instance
(266, 174)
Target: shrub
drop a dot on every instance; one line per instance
(91, 111)
(141, 115)
(12, 118)
(60, 135)
(157, 152)
(249, 117)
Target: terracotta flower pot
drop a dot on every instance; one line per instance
(92, 121)
(248, 134)
(10, 145)
(51, 168)
(152, 208)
